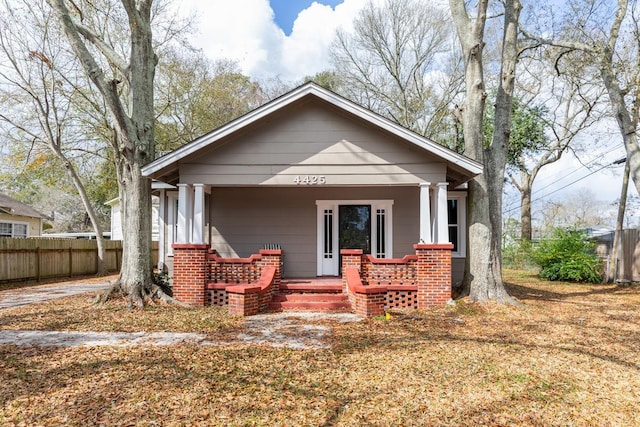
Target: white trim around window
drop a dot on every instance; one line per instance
(171, 229)
(14, 229)
(460, 246)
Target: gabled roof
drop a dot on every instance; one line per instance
(12, 206)
(464, 167)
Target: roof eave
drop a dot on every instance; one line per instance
(168, 162)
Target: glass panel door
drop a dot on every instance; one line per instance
(355, 227)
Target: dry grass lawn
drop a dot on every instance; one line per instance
(568, 357)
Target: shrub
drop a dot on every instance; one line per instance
(568, 255)
(517, 255)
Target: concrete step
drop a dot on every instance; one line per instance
(310, 297)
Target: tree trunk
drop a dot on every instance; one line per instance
(137, 270)
(132, 118)
(496, 159)
(616, 249)
(526, 232)
(524, 188)
(88, 207)
(471, 34)
(483, 275)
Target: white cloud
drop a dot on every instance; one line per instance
(245, 31)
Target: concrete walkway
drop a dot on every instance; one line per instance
(296, 330)
(40, 293)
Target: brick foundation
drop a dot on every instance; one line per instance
(249, 299)
(423, 280)
(366, 301)
(244, 304)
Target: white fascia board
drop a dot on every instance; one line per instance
(158, 185)
(433, 147)
(225, 130)
(451, 156)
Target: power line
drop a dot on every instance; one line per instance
(582, 166)
(515, 205)
(616, 162)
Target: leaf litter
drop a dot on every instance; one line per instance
(568, 357)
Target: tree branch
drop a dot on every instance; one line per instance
(91, 67)
(104, 48)
(568, 44)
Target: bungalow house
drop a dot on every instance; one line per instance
(18, 219)
(318, 182)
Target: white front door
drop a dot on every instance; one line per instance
(346, 223)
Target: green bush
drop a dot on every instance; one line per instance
(568, 255)
(517, 255)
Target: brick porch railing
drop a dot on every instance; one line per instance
(201, 277)
(415, 281)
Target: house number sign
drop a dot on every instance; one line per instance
(310, 180)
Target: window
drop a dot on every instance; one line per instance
(456, 212)
(172, 220)
(13, 229)
(328, 233)
(381, 245)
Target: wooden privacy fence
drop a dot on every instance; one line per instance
(628, 263)
(43, 258)
(626, 266)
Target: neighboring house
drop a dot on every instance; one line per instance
(313, 173)
(116, 218)
(18, 219)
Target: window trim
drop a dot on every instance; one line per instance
(13, 224)
(461, 198)
(171, 229)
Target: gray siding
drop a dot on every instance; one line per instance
(244, 219)
(310, 139)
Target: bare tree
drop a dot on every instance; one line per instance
(581, 209)
(124, 79)
(608, 34)
(37, 71)
(483, 275)
(400, 62)
(195, 96)
(571, 102)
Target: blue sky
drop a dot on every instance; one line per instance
(285, 39)
(286, 11)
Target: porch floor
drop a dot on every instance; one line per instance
(314, 284)
(322, 280)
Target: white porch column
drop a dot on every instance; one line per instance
(425, 213)
(198, 214)
(442, 217)
(162, 229)
(185, 213)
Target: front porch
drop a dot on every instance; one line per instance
(368, 286)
